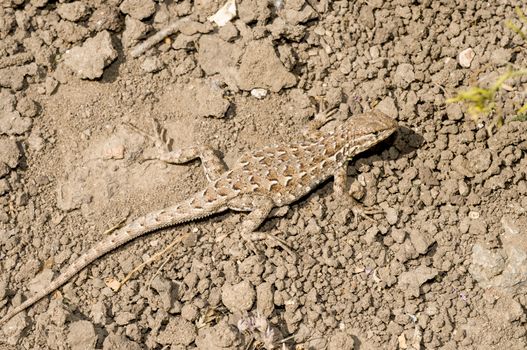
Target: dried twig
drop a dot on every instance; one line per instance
(156, 38)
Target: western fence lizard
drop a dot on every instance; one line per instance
(262, 182)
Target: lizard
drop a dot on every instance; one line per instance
(263, 182)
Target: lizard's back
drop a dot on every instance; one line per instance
(284, 173)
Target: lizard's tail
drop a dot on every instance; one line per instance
(192, 209)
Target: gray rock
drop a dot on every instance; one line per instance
(501, 56)
(220, 337)
(486, 264)
(138, 9)
(9, 152)
(12, 123)
(81, 336)
(119, 342)
(40, 281)
(391, 215)
(478, 160)
(238, 297)
(4, 187)
(134, 30)
(404, 75)
(412, 280)
(72, 11)
(420, 240)
(265, 299)
(256, 72)
(152, 64)
(4, 169)
(454, 111)
(177, 332)
(105, 17)
(465, 57)
(27, 107)
(341, 341)
(89, 61)
(387, 106)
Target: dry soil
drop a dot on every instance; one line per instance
(443, 267)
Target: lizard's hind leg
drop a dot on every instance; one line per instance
(212, 164)
(260, 209)
(342, 190)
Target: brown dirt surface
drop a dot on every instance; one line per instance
(444, 266)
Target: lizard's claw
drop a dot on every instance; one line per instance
(160, 139)
(321, 118)
(250, 238)
(324, 116)
(360, 211)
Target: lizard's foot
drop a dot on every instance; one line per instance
(250, 243)
(250, 238)
(360, 211)
(324, 116)
(159, 137)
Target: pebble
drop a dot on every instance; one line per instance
(420, 241)
(114, 341)
(82, 335)
(152, 64)
(177, 332)
(404, 75)
(89, 60)
(387, 106)
(259, 93)
(411, 280)
(72, 11)
(238, 297)
(9, 152)
(501, 56)
(138, 9)
(465, 57)
(265, 299)
(391, 216)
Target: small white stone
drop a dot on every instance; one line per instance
(465, 57)
(152, 64)
(259, 93)
(224, 14)
(474, 215)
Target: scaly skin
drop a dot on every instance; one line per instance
(261, 182)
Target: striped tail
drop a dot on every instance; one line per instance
(194, 208)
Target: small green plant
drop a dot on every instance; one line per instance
(482, 101)
(510, 24)
(520, 118)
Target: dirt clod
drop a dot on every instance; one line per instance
(238, 297)
(89, 60)
(82, 335)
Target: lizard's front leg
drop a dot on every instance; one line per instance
(342, 190)
(212, 164)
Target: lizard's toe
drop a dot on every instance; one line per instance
(360, 211)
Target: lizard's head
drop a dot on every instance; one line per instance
(366, 130)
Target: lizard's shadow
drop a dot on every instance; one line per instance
(405, 141)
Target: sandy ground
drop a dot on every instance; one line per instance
(444, 266)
